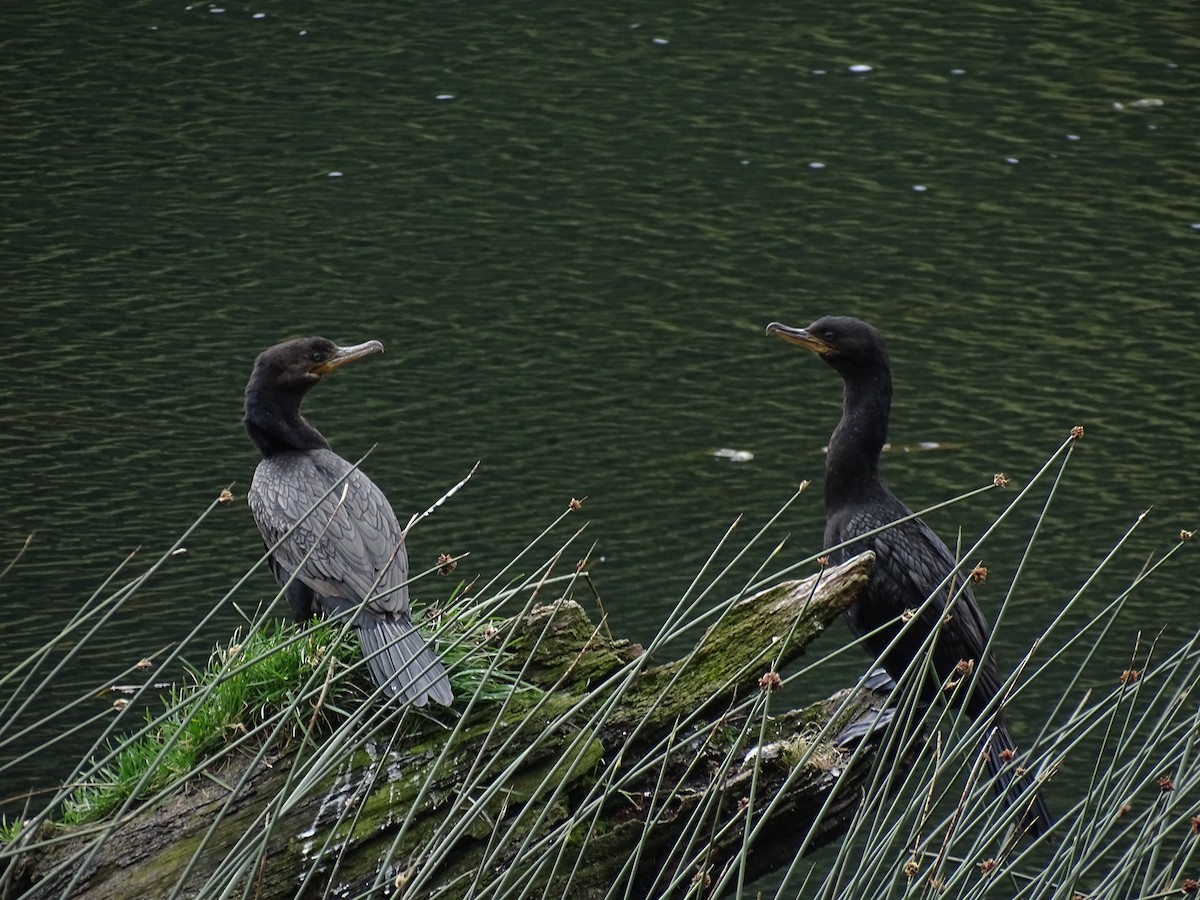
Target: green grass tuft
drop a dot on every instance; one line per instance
(246, 682)
(275, 676)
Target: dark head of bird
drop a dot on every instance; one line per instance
(853, 347)
(849, 345)
(281, 377)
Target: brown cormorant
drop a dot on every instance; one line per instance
(349, 548)
(910, 560)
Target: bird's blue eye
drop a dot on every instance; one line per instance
(317, 356)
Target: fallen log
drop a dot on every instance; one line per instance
(616, 772)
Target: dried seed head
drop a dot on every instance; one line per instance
(225, 497)
(1190, 886)
(911, 868)
(1185, 535)
(144, 664)
(770, 681)
(1076, 432)
(823, 561)
(743, 804)
(576, 504)
(446, 564)
(1129, 676)
(1195, 824)
(402, 878)
(1008, 754)
(907, 615)
(987, 866)
(1000, 480)
(979, 574)
(702, 877)
(965, 666)
(1165, 784)
(1126, 809)
(120, 704)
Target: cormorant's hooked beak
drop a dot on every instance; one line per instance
(801, 336)
(343, 355)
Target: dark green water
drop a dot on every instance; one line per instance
(569, 228)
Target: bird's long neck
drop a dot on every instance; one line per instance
(274, 423)
(852, 464)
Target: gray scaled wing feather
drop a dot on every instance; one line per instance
(355, 543)
(345, 545)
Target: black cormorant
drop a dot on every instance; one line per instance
(350, 546)
(910, 560)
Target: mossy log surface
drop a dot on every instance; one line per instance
(620, 771)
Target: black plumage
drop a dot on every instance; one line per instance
(910, 560)
(349, 547)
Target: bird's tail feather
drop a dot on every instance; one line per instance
(402, 663)
(1016, 788)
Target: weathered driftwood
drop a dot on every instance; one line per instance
(554, 795)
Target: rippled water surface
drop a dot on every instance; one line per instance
(569, 226)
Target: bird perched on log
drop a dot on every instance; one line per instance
(343, 549)
(910, 560)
